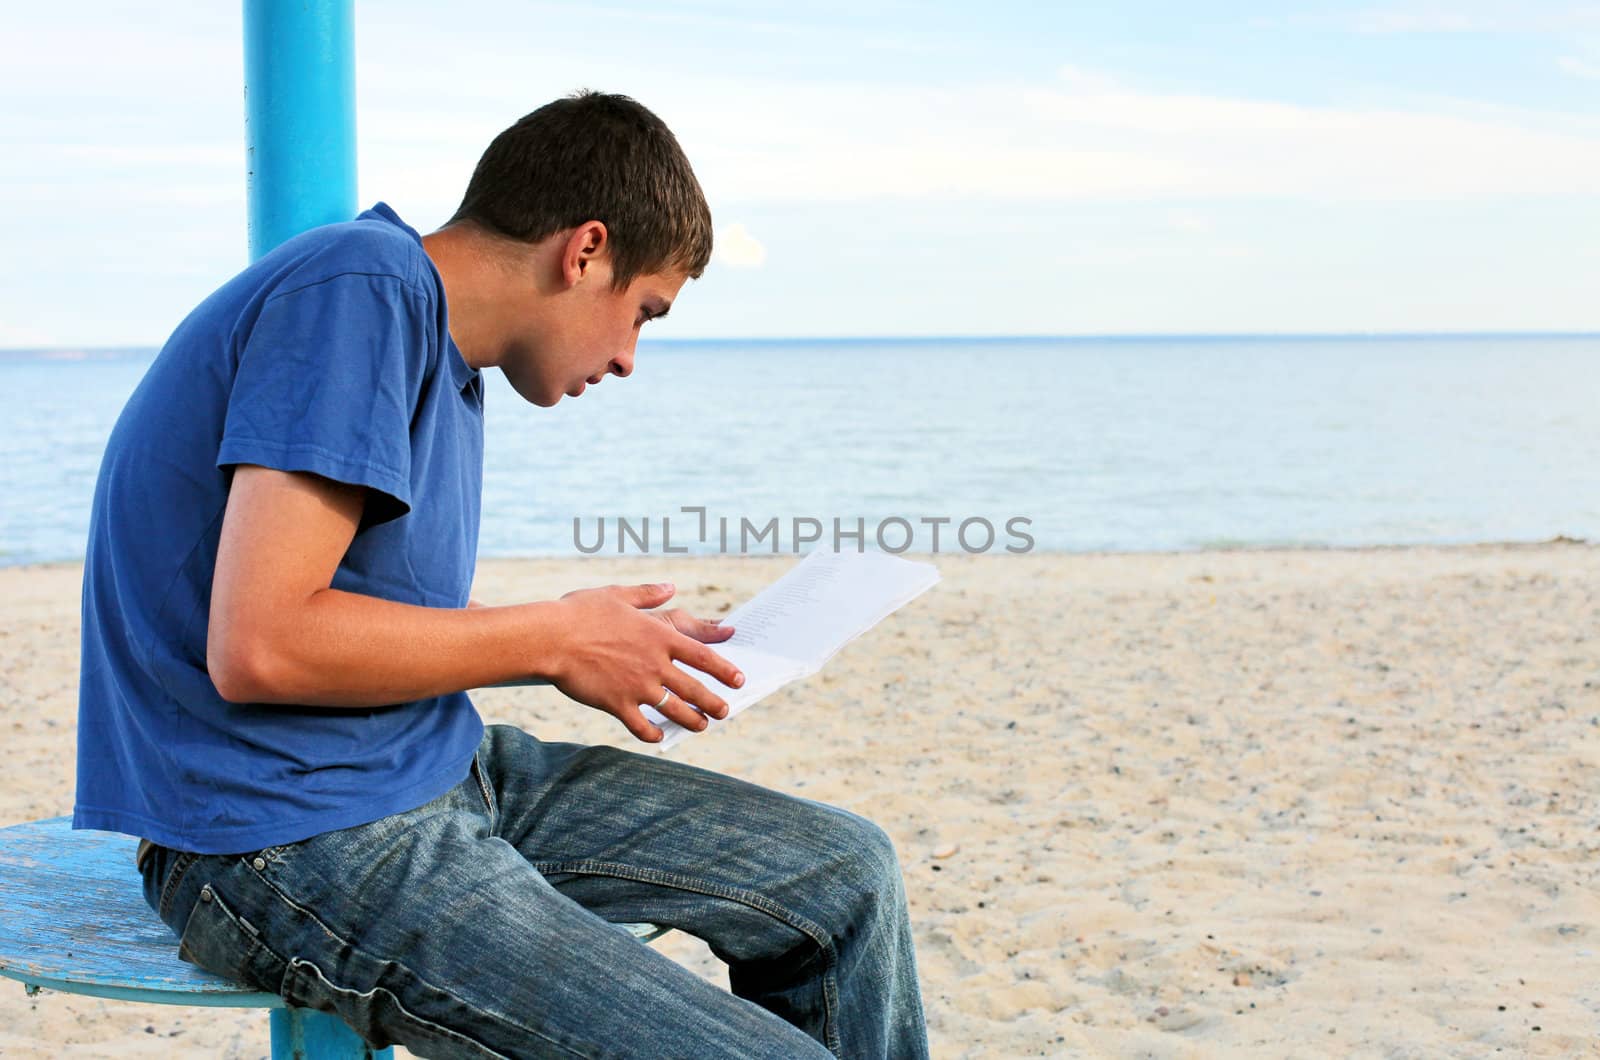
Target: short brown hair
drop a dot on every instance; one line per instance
(595, 157)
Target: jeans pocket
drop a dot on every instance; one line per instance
(225, 944)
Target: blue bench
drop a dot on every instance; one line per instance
(75, 920)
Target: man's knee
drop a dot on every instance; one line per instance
(865, 860)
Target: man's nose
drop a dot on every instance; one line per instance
(622, 364)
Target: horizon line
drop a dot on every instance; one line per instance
(1109, 336)
(1150, 336)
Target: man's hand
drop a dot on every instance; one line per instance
(617, 656)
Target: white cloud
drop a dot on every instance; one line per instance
(1078, 79)
(1459, 17)
(934, 155)
(1078, 135)
(1146, 253)
(799, 142)
(20, 336)
(1578, 68)
(1189, 221)
(737, 248)
(1422, 19)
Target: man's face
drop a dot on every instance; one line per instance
(589, 335)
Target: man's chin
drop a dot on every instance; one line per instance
(542, 398)
(534, 390)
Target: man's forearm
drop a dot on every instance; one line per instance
(341, 649)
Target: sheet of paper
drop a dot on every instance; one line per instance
(799, 622)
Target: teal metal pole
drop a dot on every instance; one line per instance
(302, 1034)
(300, 116)
(300, 142)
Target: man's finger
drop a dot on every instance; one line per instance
(696, 694)
(706, 632)
(652, 594)
(704, 659)
(682, 713)
(634, 721)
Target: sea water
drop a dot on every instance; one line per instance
(1097, 444)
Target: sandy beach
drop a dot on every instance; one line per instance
(1282, 803)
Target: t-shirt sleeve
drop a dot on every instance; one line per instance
(328, 382)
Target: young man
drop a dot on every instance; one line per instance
(277, 635)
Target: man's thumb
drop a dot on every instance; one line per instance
(652, 594)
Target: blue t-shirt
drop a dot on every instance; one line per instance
(332, 355)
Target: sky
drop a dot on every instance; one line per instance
(881, 169)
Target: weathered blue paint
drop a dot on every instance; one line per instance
(300, 116)
(75, 920)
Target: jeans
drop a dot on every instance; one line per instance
(484, 924)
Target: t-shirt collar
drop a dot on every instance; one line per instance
(385, 211)
(460, 371)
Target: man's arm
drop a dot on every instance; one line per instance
(279, 633)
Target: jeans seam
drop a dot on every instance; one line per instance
(483, 787)
(301, 962)
(334, 936)
(297, 907)
(169, 890)
(812, 930)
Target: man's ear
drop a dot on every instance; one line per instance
(588, 245)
